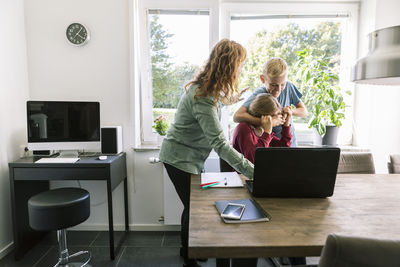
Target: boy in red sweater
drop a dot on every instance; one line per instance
(247, 137)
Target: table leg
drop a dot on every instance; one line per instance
(110, 219)
(126, 204)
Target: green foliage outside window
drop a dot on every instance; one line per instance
(168, 79)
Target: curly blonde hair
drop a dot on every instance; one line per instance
(219, 76)
(264, 104)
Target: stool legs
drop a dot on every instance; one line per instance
(64, 256)
(62, 247)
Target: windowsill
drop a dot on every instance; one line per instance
(343, 148)
(142, 148)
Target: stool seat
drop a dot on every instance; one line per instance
(58, 208)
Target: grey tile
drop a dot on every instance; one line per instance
(150, 256)
(172, 239)
(102, 238)
(100, 257)
(29, 259)
(133, 239)
(74, 238)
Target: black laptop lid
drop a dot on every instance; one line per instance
(295, 172)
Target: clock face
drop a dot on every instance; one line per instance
(77, 34)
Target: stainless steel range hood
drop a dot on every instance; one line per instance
(381, 66)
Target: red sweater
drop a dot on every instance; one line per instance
(246, 141)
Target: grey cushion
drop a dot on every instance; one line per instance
(356, 162)
(394, 164)
(344, 251)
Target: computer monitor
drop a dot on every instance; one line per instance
(63, 125)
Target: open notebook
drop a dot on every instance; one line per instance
(225, 179)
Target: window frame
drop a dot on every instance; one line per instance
(349, 40)
(219, 27)
(147, 136)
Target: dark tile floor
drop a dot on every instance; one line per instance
(138, 249)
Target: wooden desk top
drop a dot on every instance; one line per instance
(365, 205)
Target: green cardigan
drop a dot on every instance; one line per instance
(195, 131)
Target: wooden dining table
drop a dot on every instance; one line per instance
(365, 205)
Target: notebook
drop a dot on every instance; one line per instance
(252, 212)
(294, 172)
(225, 179)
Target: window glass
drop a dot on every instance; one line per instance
(265, 37)
(179, 42)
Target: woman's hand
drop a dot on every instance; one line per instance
(287, 114)
(266, 123)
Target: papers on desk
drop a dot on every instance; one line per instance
(225, 179)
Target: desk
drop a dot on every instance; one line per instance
(28, 178)
(362, 205)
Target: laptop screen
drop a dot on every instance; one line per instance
(295, 172)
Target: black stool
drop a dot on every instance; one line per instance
(59, 209)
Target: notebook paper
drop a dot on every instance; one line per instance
(225, 179)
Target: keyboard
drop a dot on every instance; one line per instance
(57, 160)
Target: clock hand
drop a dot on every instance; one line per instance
(78, 32)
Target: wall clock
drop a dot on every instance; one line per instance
(77, 34)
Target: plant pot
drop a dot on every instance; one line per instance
(160, 139)
(330, 137)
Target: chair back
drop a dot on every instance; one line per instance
(394, 163)
(356, 162)
(345, 251)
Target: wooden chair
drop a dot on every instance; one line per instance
(394, 163)
(356, 162)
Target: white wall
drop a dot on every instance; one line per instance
(13, 94)
(376, 108)
(98, 71)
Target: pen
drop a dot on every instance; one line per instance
(209, 183)
(204, 187)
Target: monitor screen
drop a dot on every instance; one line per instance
(61, 125)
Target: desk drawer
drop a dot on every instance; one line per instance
(59, 173)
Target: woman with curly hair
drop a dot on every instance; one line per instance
(196, 128)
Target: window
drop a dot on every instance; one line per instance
(281, 33)
(178, 43)
(175, 40)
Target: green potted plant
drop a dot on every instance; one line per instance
(321, 95)
(161, 127)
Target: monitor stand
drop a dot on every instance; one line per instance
(69, 154)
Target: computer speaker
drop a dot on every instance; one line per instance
(111, 140)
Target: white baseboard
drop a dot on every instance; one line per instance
(7, 249)
(121, 227)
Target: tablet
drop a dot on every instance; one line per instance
(233, 211)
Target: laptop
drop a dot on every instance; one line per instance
(294, 172)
